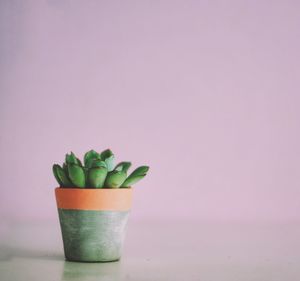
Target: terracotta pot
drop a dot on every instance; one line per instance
(93, 222)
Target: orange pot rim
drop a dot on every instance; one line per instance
(101, 199)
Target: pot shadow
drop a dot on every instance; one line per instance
(8, 253)
(110, 271)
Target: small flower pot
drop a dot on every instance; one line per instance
(93, 222)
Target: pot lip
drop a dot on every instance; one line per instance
(118, 199)
(92, 188)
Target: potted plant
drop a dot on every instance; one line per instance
(93, 201)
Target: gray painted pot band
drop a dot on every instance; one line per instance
(93, 235)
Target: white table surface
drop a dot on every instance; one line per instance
(155, 251)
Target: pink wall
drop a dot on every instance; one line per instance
(205, 92)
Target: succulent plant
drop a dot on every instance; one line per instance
(97, 171)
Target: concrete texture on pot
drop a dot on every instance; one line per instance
(93, 222)
(93, 235)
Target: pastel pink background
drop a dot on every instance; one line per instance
(205, 92)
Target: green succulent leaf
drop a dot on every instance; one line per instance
(114, 179)
(138, 174)
(98, 163)
(123, 166)
(106, 153)
(131, 181)
(90, 156)
(72, 159)
(140, 171)
(96, 177)
(61, 176)
(77, 175)
(108, 157)
(55, 173)
(65, 167)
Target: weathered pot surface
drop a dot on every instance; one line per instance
(93, 222)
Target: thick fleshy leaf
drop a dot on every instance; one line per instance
(140, 171)
(55, 173)
(106, 153)
(71, 159)
(91, 155)
(108, 157)
(65, 167)
(132, 180)
(138, 174)
(98, 163)
(76, 175)
(61, 176)
(114, 179)
(123, 166)
(96, 177)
